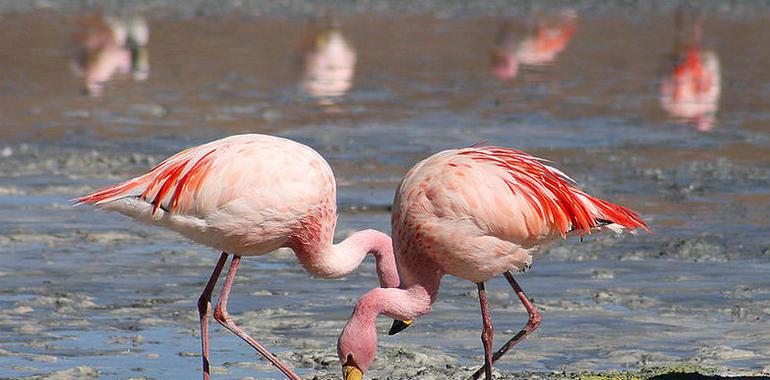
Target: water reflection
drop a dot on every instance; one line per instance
(106, 46)
(535, 45)
(329, 61)
(690, 89)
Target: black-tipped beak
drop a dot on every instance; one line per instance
(398, 326)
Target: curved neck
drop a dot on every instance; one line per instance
(396, 303)
(334, 261)
(358, 339)
(413, 298)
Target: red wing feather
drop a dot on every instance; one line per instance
(170, 176)
(160, 181)
(194, 175)
(552, 194)
(109, 192)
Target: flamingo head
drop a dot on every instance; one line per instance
(356, 347)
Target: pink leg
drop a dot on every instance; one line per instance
(204, 307)
(487, 334)
(221, 315)
(532, 324)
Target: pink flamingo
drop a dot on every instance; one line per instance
(690, 91)
(99, 53)
(538, 47)
(473, 213)
(330, 64)
(249, 195)
(106, 46)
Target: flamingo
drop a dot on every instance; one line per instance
(473, 213)
(330, 63)
(690, 90)
(106, 46)
(538, 47)
(248, 195)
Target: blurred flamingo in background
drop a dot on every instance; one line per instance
(474, 213)
(329, 64)
(249, 195)
(539, 46)
(690, 90)
(106, 46)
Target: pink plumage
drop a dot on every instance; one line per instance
(177, 172)
(474, 213)
(551, 194)
(249, 195)
(691, 90)
(478, 212)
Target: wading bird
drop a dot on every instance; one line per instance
(474, 213)
(249, 195)
(690, 89)
(539, 46)
(106, 46)
(330, 64)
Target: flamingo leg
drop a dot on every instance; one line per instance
(487, 334)
(222, 316)
(204, 308)
(532, 324)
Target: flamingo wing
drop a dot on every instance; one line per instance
(177, 178)
(506, 194)
(255, 174)
(552, 200)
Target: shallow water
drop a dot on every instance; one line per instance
(85, 288)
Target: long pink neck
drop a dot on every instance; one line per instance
(360, 334)
(325, 260)
(414, 296)
(403, 304)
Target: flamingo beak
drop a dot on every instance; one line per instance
(350, 372)
(399, 326)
